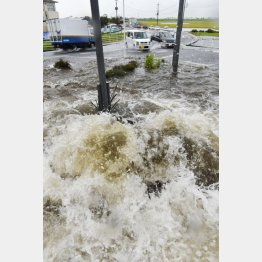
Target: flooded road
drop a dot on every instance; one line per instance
(141, 183)
(204, 50)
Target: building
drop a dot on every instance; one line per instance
(49, 12)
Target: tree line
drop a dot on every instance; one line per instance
(105, 20)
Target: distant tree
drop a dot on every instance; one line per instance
(116, 20)
(104, 20)
(88, 19)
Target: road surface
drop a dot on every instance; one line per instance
(200, 50)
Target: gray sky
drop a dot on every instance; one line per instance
(138, 8)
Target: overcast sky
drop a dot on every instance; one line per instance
(139, 8)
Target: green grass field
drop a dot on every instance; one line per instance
(188, 23)
(47, 46)
(204, 34)
(111, 38)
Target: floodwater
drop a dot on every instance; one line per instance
(140, 184)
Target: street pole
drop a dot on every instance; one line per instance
(103, 87)
(157, 13)
(178, 35)
(116, 8)
(124, 21)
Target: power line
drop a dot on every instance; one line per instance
(167, 12)
(138, 9)
(166, 8)
(148, 11)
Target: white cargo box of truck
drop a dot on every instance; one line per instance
(70, 33)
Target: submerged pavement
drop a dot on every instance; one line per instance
(200, 50)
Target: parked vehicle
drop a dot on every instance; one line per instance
(70, 33)
(171, 31)
(112, 28)
(138, 39)
(164, 37)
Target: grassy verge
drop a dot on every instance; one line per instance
(204, 34)
(122, 70)
(47, 46)
(188, 23)
(208, 32)
(111, 38)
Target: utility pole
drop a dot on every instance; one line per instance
(116, 8)
(103, 87)
(124, 21)
(178, 34)
(157, 13)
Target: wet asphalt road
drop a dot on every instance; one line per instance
(200, 50)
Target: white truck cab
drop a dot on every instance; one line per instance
(138, 39)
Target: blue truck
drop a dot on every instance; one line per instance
(70, 33)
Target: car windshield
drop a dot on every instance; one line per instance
(165, 35)
(140, 35)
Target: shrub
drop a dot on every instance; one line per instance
(210, 31)
(130, 66)
(194, 31)
(62, 64)
(121, 70)
(115, 72)
(151, 62)
(157, 63)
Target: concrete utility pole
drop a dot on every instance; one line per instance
(103, 87)
(124, 21)
(178, 34)
(157, 13)
(116, 8)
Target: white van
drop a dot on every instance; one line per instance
(138, 39)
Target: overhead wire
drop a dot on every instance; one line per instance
(166, 8)
(138, 9)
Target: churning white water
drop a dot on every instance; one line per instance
(140, 184)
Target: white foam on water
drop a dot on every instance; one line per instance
(95, 174)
